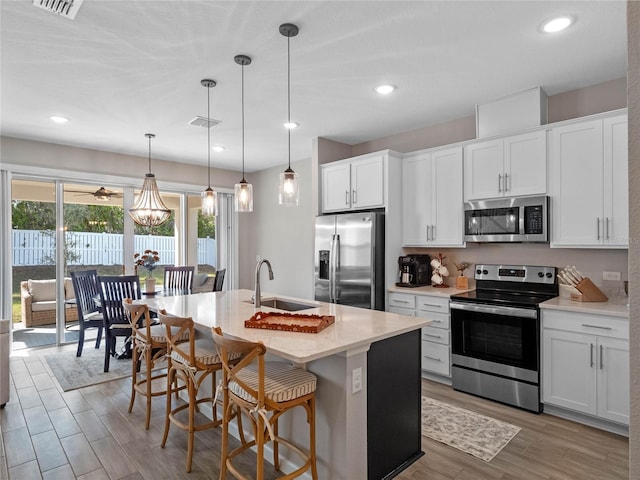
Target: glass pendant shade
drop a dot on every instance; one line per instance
(289, 193)
(148, 209)
(209, 202)
(243, 196)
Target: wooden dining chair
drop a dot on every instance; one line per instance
(264, 391)
(179, 278)
(148, 345)
(113, 290)
(85, 286)
(217, 287)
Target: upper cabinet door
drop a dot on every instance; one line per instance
(367, 182)
(417, 200)
(525, 164)
(483, 170)
(449, 208)
(336, 187)
(616, 186)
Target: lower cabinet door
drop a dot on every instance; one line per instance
(436, 358)
(613, 379)
(569, 373)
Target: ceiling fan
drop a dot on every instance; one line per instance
(101, 195)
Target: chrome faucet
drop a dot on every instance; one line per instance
(256, 294)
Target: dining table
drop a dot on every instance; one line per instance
(368, 365)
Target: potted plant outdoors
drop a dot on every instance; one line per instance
(149, 260)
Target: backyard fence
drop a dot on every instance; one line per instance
(38, 247)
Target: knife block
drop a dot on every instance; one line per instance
(589, 292)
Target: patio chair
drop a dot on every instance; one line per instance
(85, 286)
(113, 291)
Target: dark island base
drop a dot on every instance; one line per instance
(393, 405)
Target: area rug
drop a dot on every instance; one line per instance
(73, 372)
(470, 432)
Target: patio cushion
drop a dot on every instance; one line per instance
(43, 306)
(42, 290)
(69, 293)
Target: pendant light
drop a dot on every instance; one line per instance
(149, 210)
(243, 190)
(289, 193)
(209, 197)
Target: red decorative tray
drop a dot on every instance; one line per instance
(289, 322)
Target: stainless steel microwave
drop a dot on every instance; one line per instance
(516, 219)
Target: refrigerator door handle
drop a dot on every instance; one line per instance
(334, 255)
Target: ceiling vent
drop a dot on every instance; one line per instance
(202, 122)
(64, 8)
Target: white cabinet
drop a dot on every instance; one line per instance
(506, 167)
(354, 184)
(588, 183)
(586, 364)
(432, 207)
(436, 338)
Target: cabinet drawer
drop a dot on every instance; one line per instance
(437, 335)
(433, 304)
(410, 312)
(601, 325)
(436, 358)
(440, 320)
(403, 300)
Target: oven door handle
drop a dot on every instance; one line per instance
(508, 311)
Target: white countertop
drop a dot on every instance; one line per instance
(615, 307)
(429, 290)
(354, 328)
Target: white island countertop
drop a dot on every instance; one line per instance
(354, 328)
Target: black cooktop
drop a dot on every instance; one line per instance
(516, 299)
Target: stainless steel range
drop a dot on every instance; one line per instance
(495, 333)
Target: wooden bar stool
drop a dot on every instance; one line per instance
(192, 361)
(148, 344)
(263, 391)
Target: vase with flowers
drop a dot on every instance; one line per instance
(148, 260)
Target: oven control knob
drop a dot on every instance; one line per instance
(540, 274)
(478, 272)
(549, 275)
(485, 272)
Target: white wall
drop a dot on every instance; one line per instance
(282, 235)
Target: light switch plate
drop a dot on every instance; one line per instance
(356, 380)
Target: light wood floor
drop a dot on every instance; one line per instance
(88, 434)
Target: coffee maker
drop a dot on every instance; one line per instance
(414, 270)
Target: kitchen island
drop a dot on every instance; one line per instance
(368, 369)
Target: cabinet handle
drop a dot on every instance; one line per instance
(591, 354)
(431, 335)
(601, 365)
(506, 182)
(598, 227)
(400, 301)
(596, 326)
(499, 183)
(427, 227)
(355, 198)
(437, 359)
(346, 197)
(436, 321)
(431, 305)
(606, 221)
(433, 232)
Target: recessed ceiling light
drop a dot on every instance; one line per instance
(58, 119)
(291, 125)
(556, 24)
(384, 89)
(218, 148)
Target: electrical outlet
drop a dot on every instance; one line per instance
(356, 380)
(611, 276)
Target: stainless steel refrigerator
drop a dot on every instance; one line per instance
(349, 259)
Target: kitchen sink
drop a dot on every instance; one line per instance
(282, 304)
